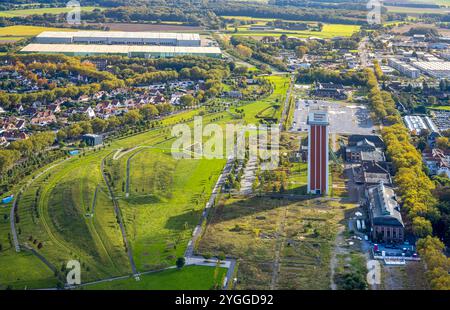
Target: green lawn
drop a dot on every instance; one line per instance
(166, 199)
(281, 84)
(24, 271)
(188, 278)
(26, 12)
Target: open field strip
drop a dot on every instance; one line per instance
(416, 11)
(16, 33)
(188, 278)
(41, 11)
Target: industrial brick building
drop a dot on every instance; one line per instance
(384, 214)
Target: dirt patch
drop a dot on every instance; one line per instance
(408, 277)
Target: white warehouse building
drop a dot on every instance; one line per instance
(404, 68)
(119, 38)
(436, 69)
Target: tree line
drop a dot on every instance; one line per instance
(413, 185)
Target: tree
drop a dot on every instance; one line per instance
(421, 227)
(7, 159)
(99, 125)
(442, 143)
(149, 111)
(181, 261)
(132, 117)
(301, 51)
(244, 51)
(432, 100)
(187, 100)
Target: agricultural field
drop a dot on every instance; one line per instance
(41, 11)
(16, 33)
(188, 278)
(328, 31)
(416, 11)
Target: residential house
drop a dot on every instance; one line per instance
(43, 118)
(3, 142)
(89, 111)
(437, 161)
(11, 136)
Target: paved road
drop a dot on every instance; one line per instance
(119, 218)
(363, 53)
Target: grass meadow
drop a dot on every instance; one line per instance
(187, 278)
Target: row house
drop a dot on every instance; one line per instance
(16, 135)
(43, 118)
(437, 161)
(12, 124)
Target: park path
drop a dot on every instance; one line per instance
(119, 218)
(249, 176)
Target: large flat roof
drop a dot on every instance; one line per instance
(433, 65)
(119, 34)
(117, 49)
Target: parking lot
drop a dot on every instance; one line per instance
(442, 119)
(344, 118)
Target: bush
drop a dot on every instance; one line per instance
(181, 261)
